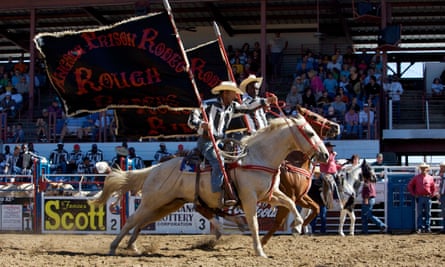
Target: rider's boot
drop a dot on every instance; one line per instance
(226, 197)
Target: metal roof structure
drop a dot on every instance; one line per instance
(422, 21)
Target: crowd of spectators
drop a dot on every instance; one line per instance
(318, 83)
(343, 87)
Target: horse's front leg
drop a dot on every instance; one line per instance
(249, 206)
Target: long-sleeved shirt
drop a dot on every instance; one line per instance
(257, 118)
(219, 116)
(422, 185)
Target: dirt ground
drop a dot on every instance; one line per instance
(230, 250)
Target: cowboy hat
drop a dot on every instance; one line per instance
(226, 86)
(251, 79)
(121, 151)
(328, 144)
(442, 163)
(423, 165)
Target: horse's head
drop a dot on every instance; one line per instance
(323, 126)
(367, 172)
(308, 140)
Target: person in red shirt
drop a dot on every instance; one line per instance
(422, 187)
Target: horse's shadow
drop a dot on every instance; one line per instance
(208, 246)
(98, 254)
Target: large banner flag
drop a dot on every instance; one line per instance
(209, 69)
(137, 63)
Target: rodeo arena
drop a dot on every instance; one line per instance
(324, 118)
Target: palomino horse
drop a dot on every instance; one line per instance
(165, 188)
(295, 176)
(348, 188)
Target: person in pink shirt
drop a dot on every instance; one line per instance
(423, 188)
(331, 166)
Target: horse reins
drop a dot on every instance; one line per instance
(315, 146)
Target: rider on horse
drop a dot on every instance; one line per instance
(219, 112)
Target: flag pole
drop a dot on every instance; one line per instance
(204, 114)
(229, 68)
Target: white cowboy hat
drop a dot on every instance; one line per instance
(102, 166)
(442, 163)
(226, 86)
(251, 79)
(423, 165)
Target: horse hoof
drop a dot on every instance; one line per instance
(341, 234)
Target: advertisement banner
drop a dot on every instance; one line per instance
(11, 218)
(184, 221)
(74, 214)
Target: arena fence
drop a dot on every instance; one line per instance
(58, 203)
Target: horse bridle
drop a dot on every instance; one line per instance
(322, 125)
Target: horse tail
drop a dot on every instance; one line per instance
(120, 182)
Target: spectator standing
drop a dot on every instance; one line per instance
(75, 158)
(59, 158)
(394, 92)
(368, 200)
(135, 160)
(422, 187)
(372, 90)
(11, 166)
(442, 193)
(161, 154)
(330, 167)
(119, 161)
(380, 172)
(437, 87)
(94, 154)
(84, 168)
(315, 192)
(277, 45)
